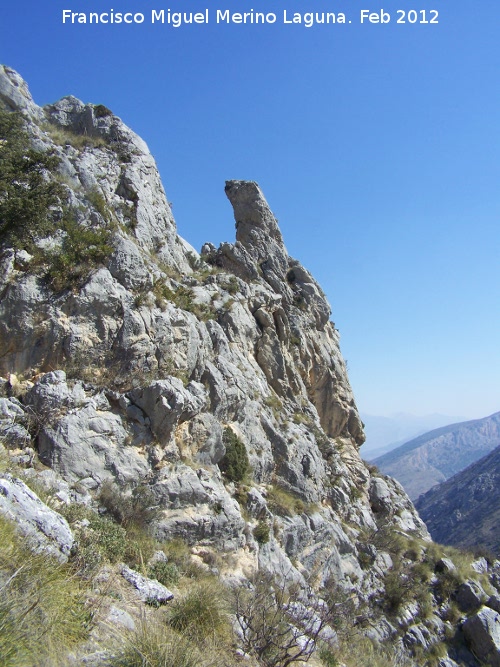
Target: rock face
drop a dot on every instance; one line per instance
(47, 531)
(157, 367)
(482, 632)
(464, 511)
(436, 456)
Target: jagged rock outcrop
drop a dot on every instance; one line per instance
(154, 366)
(483, 634)
(46, 531)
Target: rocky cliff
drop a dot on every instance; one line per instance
(200, 401)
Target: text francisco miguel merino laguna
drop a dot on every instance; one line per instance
(177, 19)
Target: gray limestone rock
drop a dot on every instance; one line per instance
(91, 443)
(417, 635)
(469, 596)
(380, 495)
(493, 602)
(127, 265)
(15, 94)
(13, 423)
(248, 325)
(197, 508)
(150, 590)
(202, 439)
(480, 565)
(168, 403)
(51, 395)
(46, 531)
(482, 634)
(445, 565)
(120, 617)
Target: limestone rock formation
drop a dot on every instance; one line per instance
(47, 531)
(204, 393)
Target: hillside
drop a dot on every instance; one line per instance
(180, 477)
(464, 511)
(435, 456)
(384, 434)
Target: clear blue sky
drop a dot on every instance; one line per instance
(377, 147)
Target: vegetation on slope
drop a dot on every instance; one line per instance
(33, 206)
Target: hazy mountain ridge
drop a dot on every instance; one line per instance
(435, 456)
(384, 433)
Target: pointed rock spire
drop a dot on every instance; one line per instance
(256, 227)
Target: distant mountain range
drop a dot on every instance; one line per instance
(464, 511)
(386, 433)
(438, 455)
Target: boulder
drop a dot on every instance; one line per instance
(51, 396)
(150, 590)
(46, 531)
(482, 635)
(13, 423)
(445, 565)
(380, 495)
(493, 602)
(121, 618)
(469, 596)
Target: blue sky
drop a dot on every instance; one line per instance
(377, 147)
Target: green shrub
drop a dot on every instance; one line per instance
(396, 595)
(184, 298)
(82, 250)
(100, 111)
(365, 560)
(327, 657)
(234, 464)
(359, 651)
(283, 502)
(101, 540)
(301, 418)
(164, 572)
(230, 284)
(261, 532)
(179, 553)
(111, 538)
(156, 646)
(137, 508)
(141, 545)
(323, 441)
(99, 203)
(273, 402)
(202, 613)
(26, 196)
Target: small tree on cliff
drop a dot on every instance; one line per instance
(26, 195)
